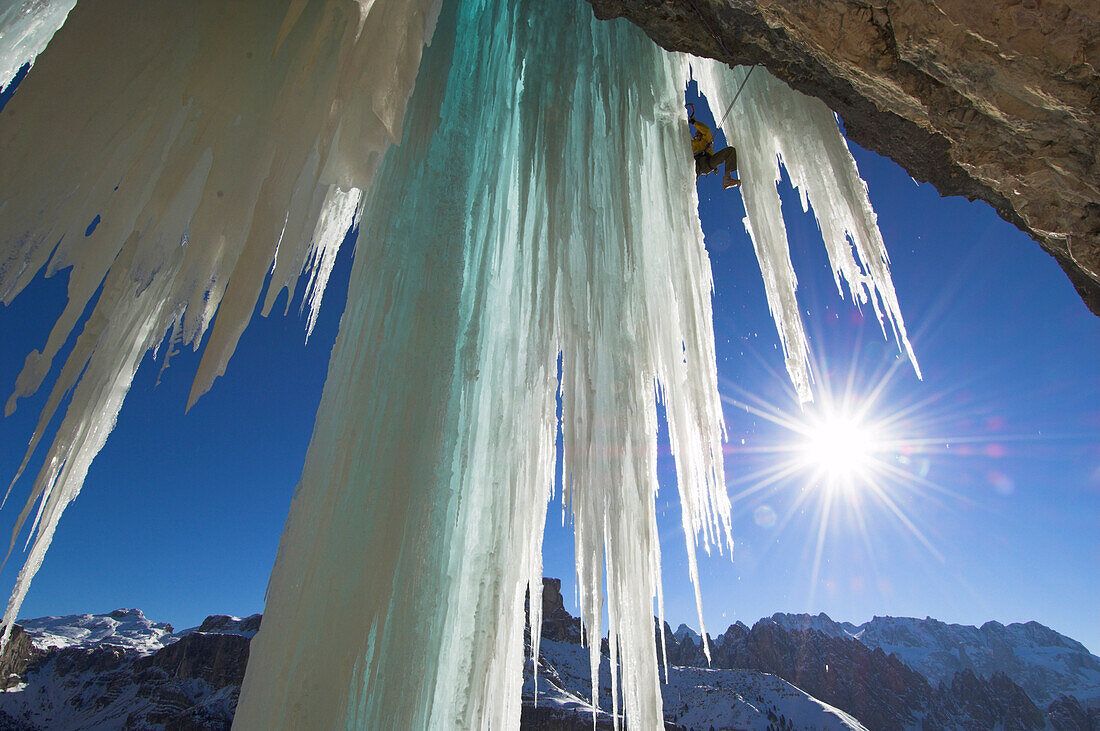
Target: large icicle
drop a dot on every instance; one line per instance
(26, 26)
(773, 125)
(200, 145)
(542, 202)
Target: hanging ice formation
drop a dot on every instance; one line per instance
(774, 125)
(548, 212)
(26, 26)
(215, 143)
(535, 226)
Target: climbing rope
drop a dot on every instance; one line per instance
(729, 56)
(739, 90)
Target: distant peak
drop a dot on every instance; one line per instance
(123, 613)
(683, 631)
(804, 622)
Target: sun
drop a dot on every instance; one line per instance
(851, 460)
(852, 471)
(839, 447)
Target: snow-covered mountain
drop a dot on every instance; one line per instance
(684, 632)
(827, 661)
(1045, 663)
(122, 670)
(820, 623)
(907, 673)
(127, 628)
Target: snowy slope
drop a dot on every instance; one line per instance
(745, 699)
(107, 694)
(121, 670)
(695, 698)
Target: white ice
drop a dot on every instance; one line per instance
(773, 125)
(216, 143)
(537, 218)
(535, 230)
(26, 26)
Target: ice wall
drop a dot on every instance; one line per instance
(537, 226)
(773, 125)
(540, 214)
(204, 147)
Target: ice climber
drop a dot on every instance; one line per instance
(706, 159)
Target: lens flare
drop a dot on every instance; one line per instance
(764, 516)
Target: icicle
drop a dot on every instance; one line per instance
(213, 142)
(771, 125)
(26, 26)
(542, 202)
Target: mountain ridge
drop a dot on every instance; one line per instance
(938, 650)
(122, 670)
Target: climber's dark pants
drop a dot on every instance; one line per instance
(706, 164)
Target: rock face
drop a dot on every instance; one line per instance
(1068, 713)
(996, 100)
(557, 623)
(878, 690)
(18, 654)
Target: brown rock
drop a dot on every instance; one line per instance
(557, 623)
(18, 654)
(218, 659)
(996, 100)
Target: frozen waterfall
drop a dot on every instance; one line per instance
(524, 228)
(533, 237)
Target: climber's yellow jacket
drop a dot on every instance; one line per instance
(702, 141)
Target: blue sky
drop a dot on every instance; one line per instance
(181, 514)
